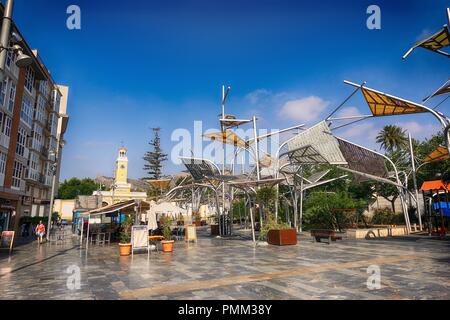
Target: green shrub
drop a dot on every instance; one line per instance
(326, 210)
(272, 224)
(125, 233)
(166, 221)
(386, 216)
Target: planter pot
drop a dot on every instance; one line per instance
(214, 229)
(167, 246)
(125, 249)
(285, 237)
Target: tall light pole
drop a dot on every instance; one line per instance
(22, 60)
(224, 98)
(4, 36)
(52, 194)
(413, 165)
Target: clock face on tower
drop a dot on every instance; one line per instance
(122, 167)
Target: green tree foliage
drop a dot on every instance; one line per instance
(392, 138)
(327, 210)
(155, 158)
(74, 187)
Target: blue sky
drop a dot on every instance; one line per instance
(140, 64)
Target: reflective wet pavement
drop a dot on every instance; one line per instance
(411, 268)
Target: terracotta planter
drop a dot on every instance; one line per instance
(284, 237)
(167, 246)
(214, 229)
(125, 249)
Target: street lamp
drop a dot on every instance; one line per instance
(22, 60)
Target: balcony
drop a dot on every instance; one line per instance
(21, 185)
(48, 181)
(34, 176)
(44, 152)
(4, 141)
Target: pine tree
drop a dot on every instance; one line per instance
(155, 158)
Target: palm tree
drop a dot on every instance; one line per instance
(392, 138)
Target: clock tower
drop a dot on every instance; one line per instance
(122, 171)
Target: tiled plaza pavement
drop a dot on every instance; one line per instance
(411, 268)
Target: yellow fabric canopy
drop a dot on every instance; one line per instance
(160, 184)
(228, 137)
(440, 154)
(382, 104)
(439, 40)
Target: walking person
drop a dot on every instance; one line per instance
(40, 231)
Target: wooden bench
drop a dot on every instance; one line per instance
(319, 234)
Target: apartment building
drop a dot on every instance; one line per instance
(33, 121)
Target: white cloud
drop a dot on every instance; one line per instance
(305, 109)
(419, 130)
(258, 95)
(349, 112)
(365, 131)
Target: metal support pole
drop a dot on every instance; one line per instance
(300, 221)
(258, 173)
(52, 194)
(222, 225)
(413, 165)
(87, 232)
(4, 36)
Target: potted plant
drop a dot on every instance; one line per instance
(167, 243)
(280, 234)
(125, 237)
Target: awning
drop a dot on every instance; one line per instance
(434, 185)
(435, 42)
(117, 207)
(228, 137)
(440, 154)
(383, 104)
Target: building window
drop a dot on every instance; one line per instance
(9, 59)
(43, 88)
(6, 128)
(21, 141)
(12, 97)
(2, 162)
(17, 174)
(26, 114)
(56, 100)
(37, 138)
(3, 89)
(40, 110)
(29, 80)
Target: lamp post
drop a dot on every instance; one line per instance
(22, 60)
(54, 168)
(224, 99)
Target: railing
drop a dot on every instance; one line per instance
(44, 152)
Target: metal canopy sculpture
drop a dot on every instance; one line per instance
(362, 160)
(316, 144)
(445, 88)
(201, 169)
(435, 42)
(228, 137)
(383, 104)
(315, 177)
(440, 154)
